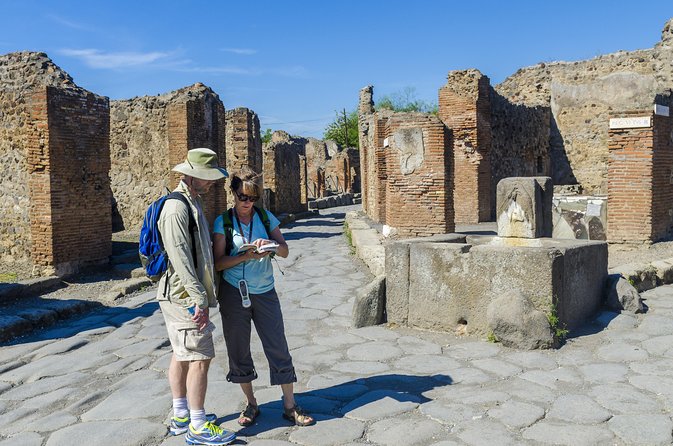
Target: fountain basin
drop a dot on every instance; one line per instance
(446, 282)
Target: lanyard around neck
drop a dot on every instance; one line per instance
(240, 228)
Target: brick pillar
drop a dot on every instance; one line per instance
(38, 166)
(419, 201)
(303, 181)
(198, 123)
(640, 177)
(464, 106)
(377, 205)
(244, 142)
(69, 164)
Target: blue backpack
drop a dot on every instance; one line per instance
(151, 248)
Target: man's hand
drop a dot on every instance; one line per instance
(200, 317)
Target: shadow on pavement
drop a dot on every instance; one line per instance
(335, 401)
(312, 222)
(309, 234)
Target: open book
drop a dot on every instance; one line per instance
(269, 247)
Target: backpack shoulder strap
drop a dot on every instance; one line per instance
(228, 224)
(192, 222)
(264, 216)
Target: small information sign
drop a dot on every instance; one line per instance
(630, 123)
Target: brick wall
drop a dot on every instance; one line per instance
(371, 132)
(464, 107)
(149, 136)
(244, 142)
(199, 122)
(316, 163)
(640, 193)
(54, 191)
(70, 187)
(662, 177)
(285, 176)
(344, 169)
(419, 201)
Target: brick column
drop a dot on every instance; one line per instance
(464, 106)
(630, 180)
(419, 199)
(244, 142)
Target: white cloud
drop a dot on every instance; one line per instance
(68, 23)
(242, 51)
(100, 59)
(220, 70)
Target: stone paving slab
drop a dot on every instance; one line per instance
(374, 385)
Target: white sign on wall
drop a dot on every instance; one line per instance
(630, 123)
(661, 110)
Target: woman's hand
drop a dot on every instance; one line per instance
(251, 254)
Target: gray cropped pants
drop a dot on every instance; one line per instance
(265, 312)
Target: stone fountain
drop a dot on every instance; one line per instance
(520, 286)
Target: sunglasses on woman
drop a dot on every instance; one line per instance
(244, 198)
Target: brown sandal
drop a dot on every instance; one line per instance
(248, 416)
(297, 416)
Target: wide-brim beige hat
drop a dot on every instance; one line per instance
(202, 164)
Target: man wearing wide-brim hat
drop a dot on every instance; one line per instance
(186, 292)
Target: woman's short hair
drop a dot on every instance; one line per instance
(248, 180)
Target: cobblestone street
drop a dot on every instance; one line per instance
(101, 379)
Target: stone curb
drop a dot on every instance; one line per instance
(367, 243)
(648, 275)
(24, 322)
(334, 200)
(28, 287)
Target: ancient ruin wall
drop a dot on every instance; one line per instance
(23, 74)
(285, 179)
(520, 141)
(640, 190)
(243, 141)
(465, 108)
(79, 215)
(662, 176)
(150, 135)
(581, 96)
(343, 171)
(419, 199)
(316, 161)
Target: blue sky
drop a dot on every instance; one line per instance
(297, 62)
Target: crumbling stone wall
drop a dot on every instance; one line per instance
(344, 171)
(243, 142)
(54, 154)
(330, 168)
(150, 135)
(285, 174)
(581, 96)
(419, 183)
(465, 107)
(520, 141)
(316, 162)
(640, 172)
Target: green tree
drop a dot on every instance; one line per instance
(406, 101)
(344, 129)
(266, 136)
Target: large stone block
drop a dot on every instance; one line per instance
(524, 206)
(397, 274)
(440, 286)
